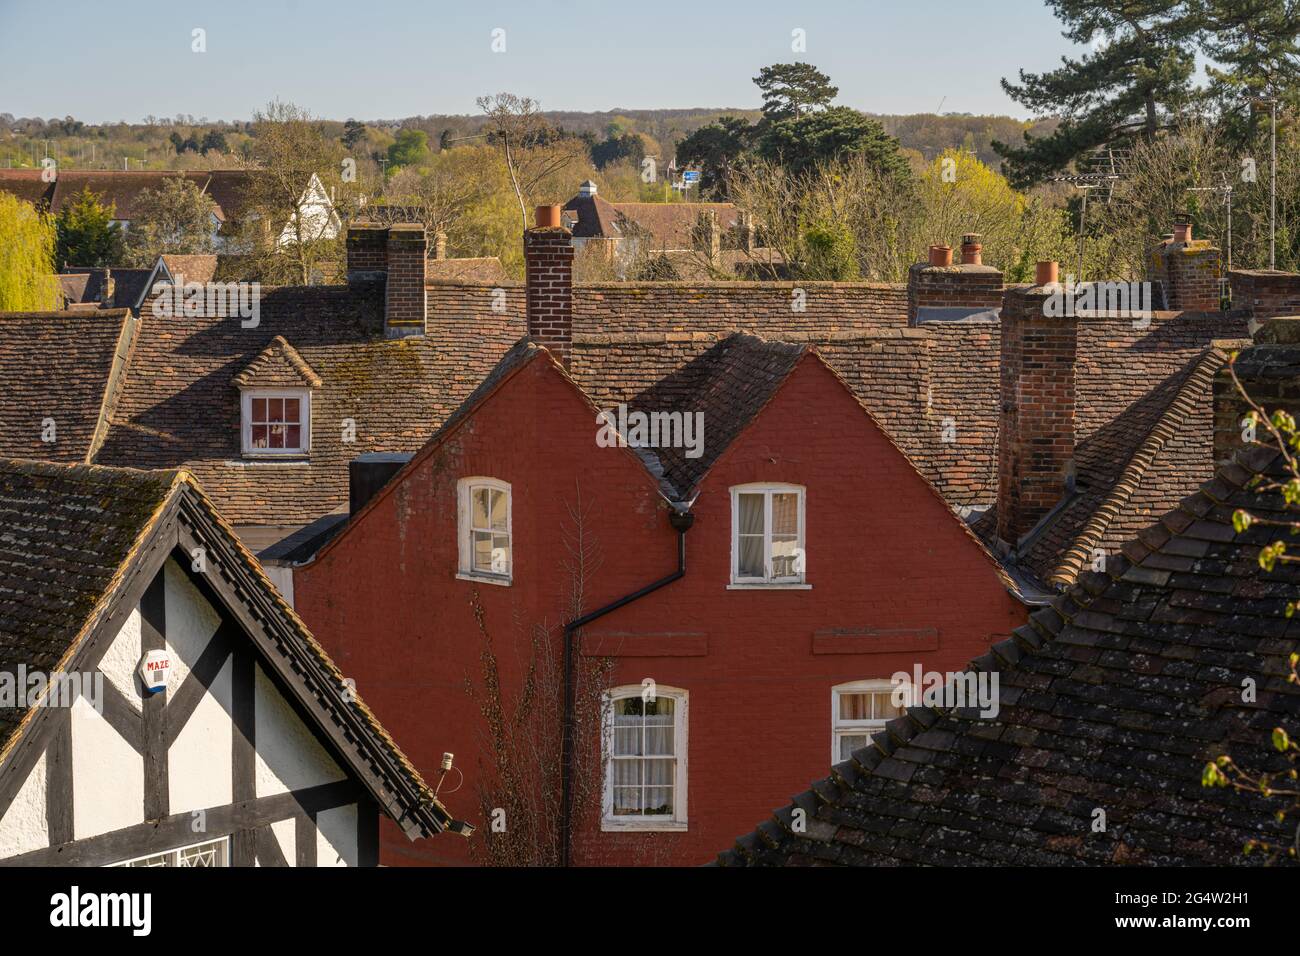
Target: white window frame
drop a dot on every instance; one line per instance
(246, 421)
(465, 531)
(222, 842)
(678, 821)
(767, 489)
(843, 728)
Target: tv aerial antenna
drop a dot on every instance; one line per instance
(1100, 171)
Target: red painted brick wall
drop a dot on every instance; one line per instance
(883, 554)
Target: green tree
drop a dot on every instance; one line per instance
(353, 133)
(716, 149)
(829, 252)
(174, 219)
(814, 138)
(1254, 48)
(285, 233)
(617, 148)
(1137, 76)
(410, 149)
(792, 89)
(214, 139)
(27, 238)
(87, 235)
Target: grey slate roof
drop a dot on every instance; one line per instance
(1114, 698)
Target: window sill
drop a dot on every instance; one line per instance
(768, 587)
(641, 826)
(299, 459)
(484, 579)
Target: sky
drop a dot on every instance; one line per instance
(113, 60)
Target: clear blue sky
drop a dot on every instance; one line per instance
(385, 59)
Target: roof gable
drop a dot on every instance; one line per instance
(88, 539)
(278, 366)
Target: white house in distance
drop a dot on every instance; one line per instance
(161, 705)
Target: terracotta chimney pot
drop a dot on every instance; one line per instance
(941, 255)
(1045, 273)
(548, 217)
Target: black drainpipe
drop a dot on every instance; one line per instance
(681, 520)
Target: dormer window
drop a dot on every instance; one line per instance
(277, 421)
(275, 402)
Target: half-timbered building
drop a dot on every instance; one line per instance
(161, 704)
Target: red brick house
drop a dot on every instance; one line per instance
(819, 562)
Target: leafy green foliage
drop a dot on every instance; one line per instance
(1136, 77)
(175, 219)
(410, 149)
(27, 238)
(792, 89)
(805, 141)
(87, 235)
(829, 252)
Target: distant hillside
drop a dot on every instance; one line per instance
(76, 145)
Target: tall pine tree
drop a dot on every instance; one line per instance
(1138, 76)
(1255, 49)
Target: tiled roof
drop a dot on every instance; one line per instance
(483, 269)
(128, 285)
(67, 532)
(72, 534)
(122, 188)
(1112, 699)
(671, 225)
(57, 375)
(278, 366)
(1143, 435)
(28, 186)
(729, 384)
(180, 404)
(193, 268)
(72, 287)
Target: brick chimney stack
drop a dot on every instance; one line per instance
(1269, 370)
(404, 299)
(548, 276)
(367, 252)
(1189, 269)
(1265, 293)
(948, 291)
(440, 245)
(1036, 423)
